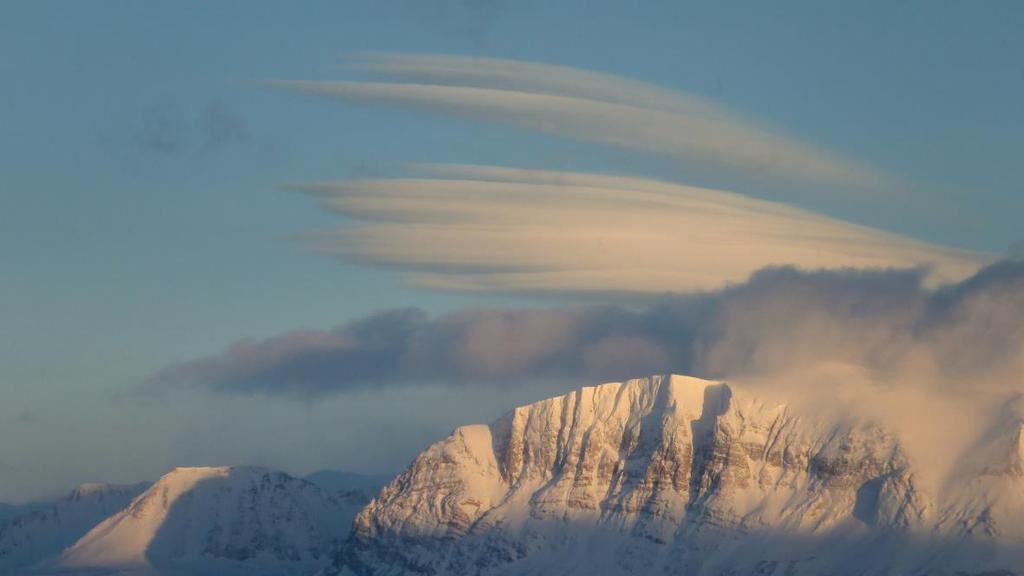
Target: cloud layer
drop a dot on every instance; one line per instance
(936, 366)
(499, 229)
(966, 337)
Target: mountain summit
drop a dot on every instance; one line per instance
(218, 520)
(677, 475)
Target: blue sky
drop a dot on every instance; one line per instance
(142, 219)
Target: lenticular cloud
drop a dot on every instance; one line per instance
(593, 107)
(485, 228)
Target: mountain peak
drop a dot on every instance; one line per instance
(89, 490)
(219, 513)
(190, 473)
(666, 474)
(184, 478)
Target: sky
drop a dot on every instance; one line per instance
(202, 203)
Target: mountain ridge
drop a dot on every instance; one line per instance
(678, 475)
(660, 475)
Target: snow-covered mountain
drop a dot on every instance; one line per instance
(39, 534)
(676, 475)
(8, 511)
(662, 475)
(216, 520)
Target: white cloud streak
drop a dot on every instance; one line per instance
(535, 77)
(595, 107)
(499, 229)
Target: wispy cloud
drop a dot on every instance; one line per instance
(595, 107)
(500, 229)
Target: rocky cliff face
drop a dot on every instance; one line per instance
(678, 475)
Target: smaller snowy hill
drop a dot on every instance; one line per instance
(9, 511)
(42, 533)
(216, 520)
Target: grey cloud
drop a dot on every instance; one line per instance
(161, 129)
(405, 346)
(168, 129)
(782, 319)
(222, 126)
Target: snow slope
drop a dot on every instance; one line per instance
(39, 534)
(9, 511)
(676, 475)
(216, 520)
